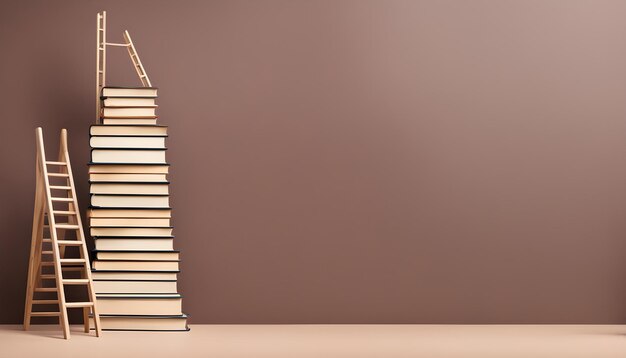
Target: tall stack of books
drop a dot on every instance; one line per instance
(134, 266)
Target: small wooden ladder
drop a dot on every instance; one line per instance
(101, 63)
(48, 263)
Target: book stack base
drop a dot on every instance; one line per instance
(134, 264)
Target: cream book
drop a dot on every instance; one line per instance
(139, 304)
(135, 265)
(128, 222)
(131, 130)
(138, 244)
(126, 188)
(143, 178)
(156, 156)
(118, 286)
(128, 169)
(142, 323)
(129, 112)
(131, 231)
(133, 121)
(134, 275)
(129, 213)
(150, 92)
(138, 255)
(129, 102)
(127, 142)
(129, 201)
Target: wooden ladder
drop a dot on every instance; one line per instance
(101, 59)
(48, 264)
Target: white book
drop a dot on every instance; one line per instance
(131, 231)
(126, 188)
(128, 112)
(142, 323)
(128, 130)
(135, 265)
(139, 304)
(128, 156)
(129, 102)
(111, 177)
(127, 142)
(129, 201)
(129, 92)
(138, 255)
(133, 275)
(118, 286)
(128, 169)
(139, 244)
(139, 222)
(129, 213)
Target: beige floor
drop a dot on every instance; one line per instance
(321, 341)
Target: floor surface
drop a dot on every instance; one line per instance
(259, 341)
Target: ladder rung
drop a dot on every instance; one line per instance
(62, 199)
(63, 212)
(55, 163)
(79, 281)
(72, 261)
(46, 289)
(47, 277)
(67, 226)
(47, 252)
(70, 242)
(45, 302)
(58, 175)
(60, 187)
(73, 268)
(78, 304)
(47, 263)
(45, 314)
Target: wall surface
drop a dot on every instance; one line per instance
(352, 161)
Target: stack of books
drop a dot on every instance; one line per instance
(134, 264)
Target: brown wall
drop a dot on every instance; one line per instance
(352, 161)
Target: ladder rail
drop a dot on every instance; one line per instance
(53, 236)
(65, 156)
(134, 57)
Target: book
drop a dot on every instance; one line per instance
(130, 130)
(127, 222)
(132, 121)
(129, 112)
(149, 92)
(139, 304)
(129, 188)
(131, 231)
(138, 255)
(125, 178)
(117, 155)
(135, 243)
(127, 142)
(119, 286)
(104, 168)
(133, 275)
(128, 102)
(142, 323)
(135, 265)
(129, 201)
(129, 213)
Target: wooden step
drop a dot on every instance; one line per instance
(62, 199)
(47, 252)
(74, 268)
(60, 187)
(45, 314)
(78, 304)
(67, 226)
(64, 175)
(72, 261)
(49, 162)
(48, 277)
(45, 302)
(66, 242)
(46, 289)
(79, 281)
(63, 212)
